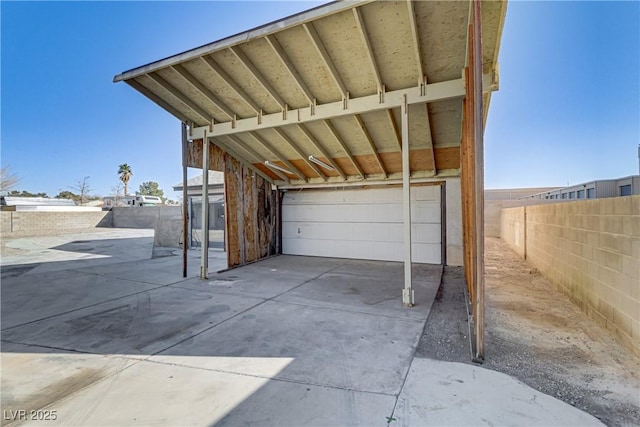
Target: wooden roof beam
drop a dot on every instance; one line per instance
(243, 162)
(238, 143)
(295, 148)
(180, 96)
(367, 45)
(231, 83)
(277, 156)
(394, 125)
(155, 98)
(246, 62)
(416, 42)
(202, 89)
(322, 151)
(372, 145)
(324, 55)
(282, 55)
(337, 137)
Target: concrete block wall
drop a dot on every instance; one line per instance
(513, 229)
(591, 251)
(494, 207)
(143, 217)
(29, 223)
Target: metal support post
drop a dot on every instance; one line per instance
(185, 204)
(204, 260)
(407, 293)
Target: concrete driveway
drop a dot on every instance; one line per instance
(286, 341)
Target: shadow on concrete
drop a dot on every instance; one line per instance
(287, 329)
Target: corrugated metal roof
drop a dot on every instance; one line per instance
(329, 83)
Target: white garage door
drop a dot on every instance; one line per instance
(361, 224)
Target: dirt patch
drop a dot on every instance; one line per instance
(536, 334)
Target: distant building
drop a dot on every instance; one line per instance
(137, 200)
(599, 189)
(216, 209)
(12, 203)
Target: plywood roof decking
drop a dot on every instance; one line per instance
(310, 85)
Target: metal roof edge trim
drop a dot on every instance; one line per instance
(258, 32)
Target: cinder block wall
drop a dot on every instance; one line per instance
(512, 228)
(494, 207)
(143, 217)
(29, 223)
(591, 251)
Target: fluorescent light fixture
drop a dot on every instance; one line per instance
(274, 166)
(321, 163)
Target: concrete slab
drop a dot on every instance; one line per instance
(36, 377)
(102, 247)
(449, 393)
(371, 290)
(329, 347)
(32, 297)
(264, 279)
(155, 394)
(141, 324)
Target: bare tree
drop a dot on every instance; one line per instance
(117, 192)
(8, 180)
(83, 188)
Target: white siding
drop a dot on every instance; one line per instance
(361, 224)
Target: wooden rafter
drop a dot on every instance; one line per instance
(299, 152)
(198, 86)
(322, 151)
(180, 96)
(231, 83)
(372, 145)
(367, 45)
(241, 145)
(324, 55)
(284, 58)
(413, 26)
(248, 64)
(278, 156)
(337, 137)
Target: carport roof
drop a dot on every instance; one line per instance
(330, 83)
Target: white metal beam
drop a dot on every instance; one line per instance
(204, 91)
(324, 55)
(337, 137)
(231, 83)
(367, 45)
(304, 156)
(433, 92)
(244, 60)
(322, 151)
(181, 96)
(277, 155)
(284, 58)
(407, 293)
(372, 145)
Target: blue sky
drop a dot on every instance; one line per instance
(568, 109)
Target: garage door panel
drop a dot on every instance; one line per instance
(361, 224)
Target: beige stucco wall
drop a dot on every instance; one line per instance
(591, 251)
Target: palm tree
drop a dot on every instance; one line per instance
(124, 170)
